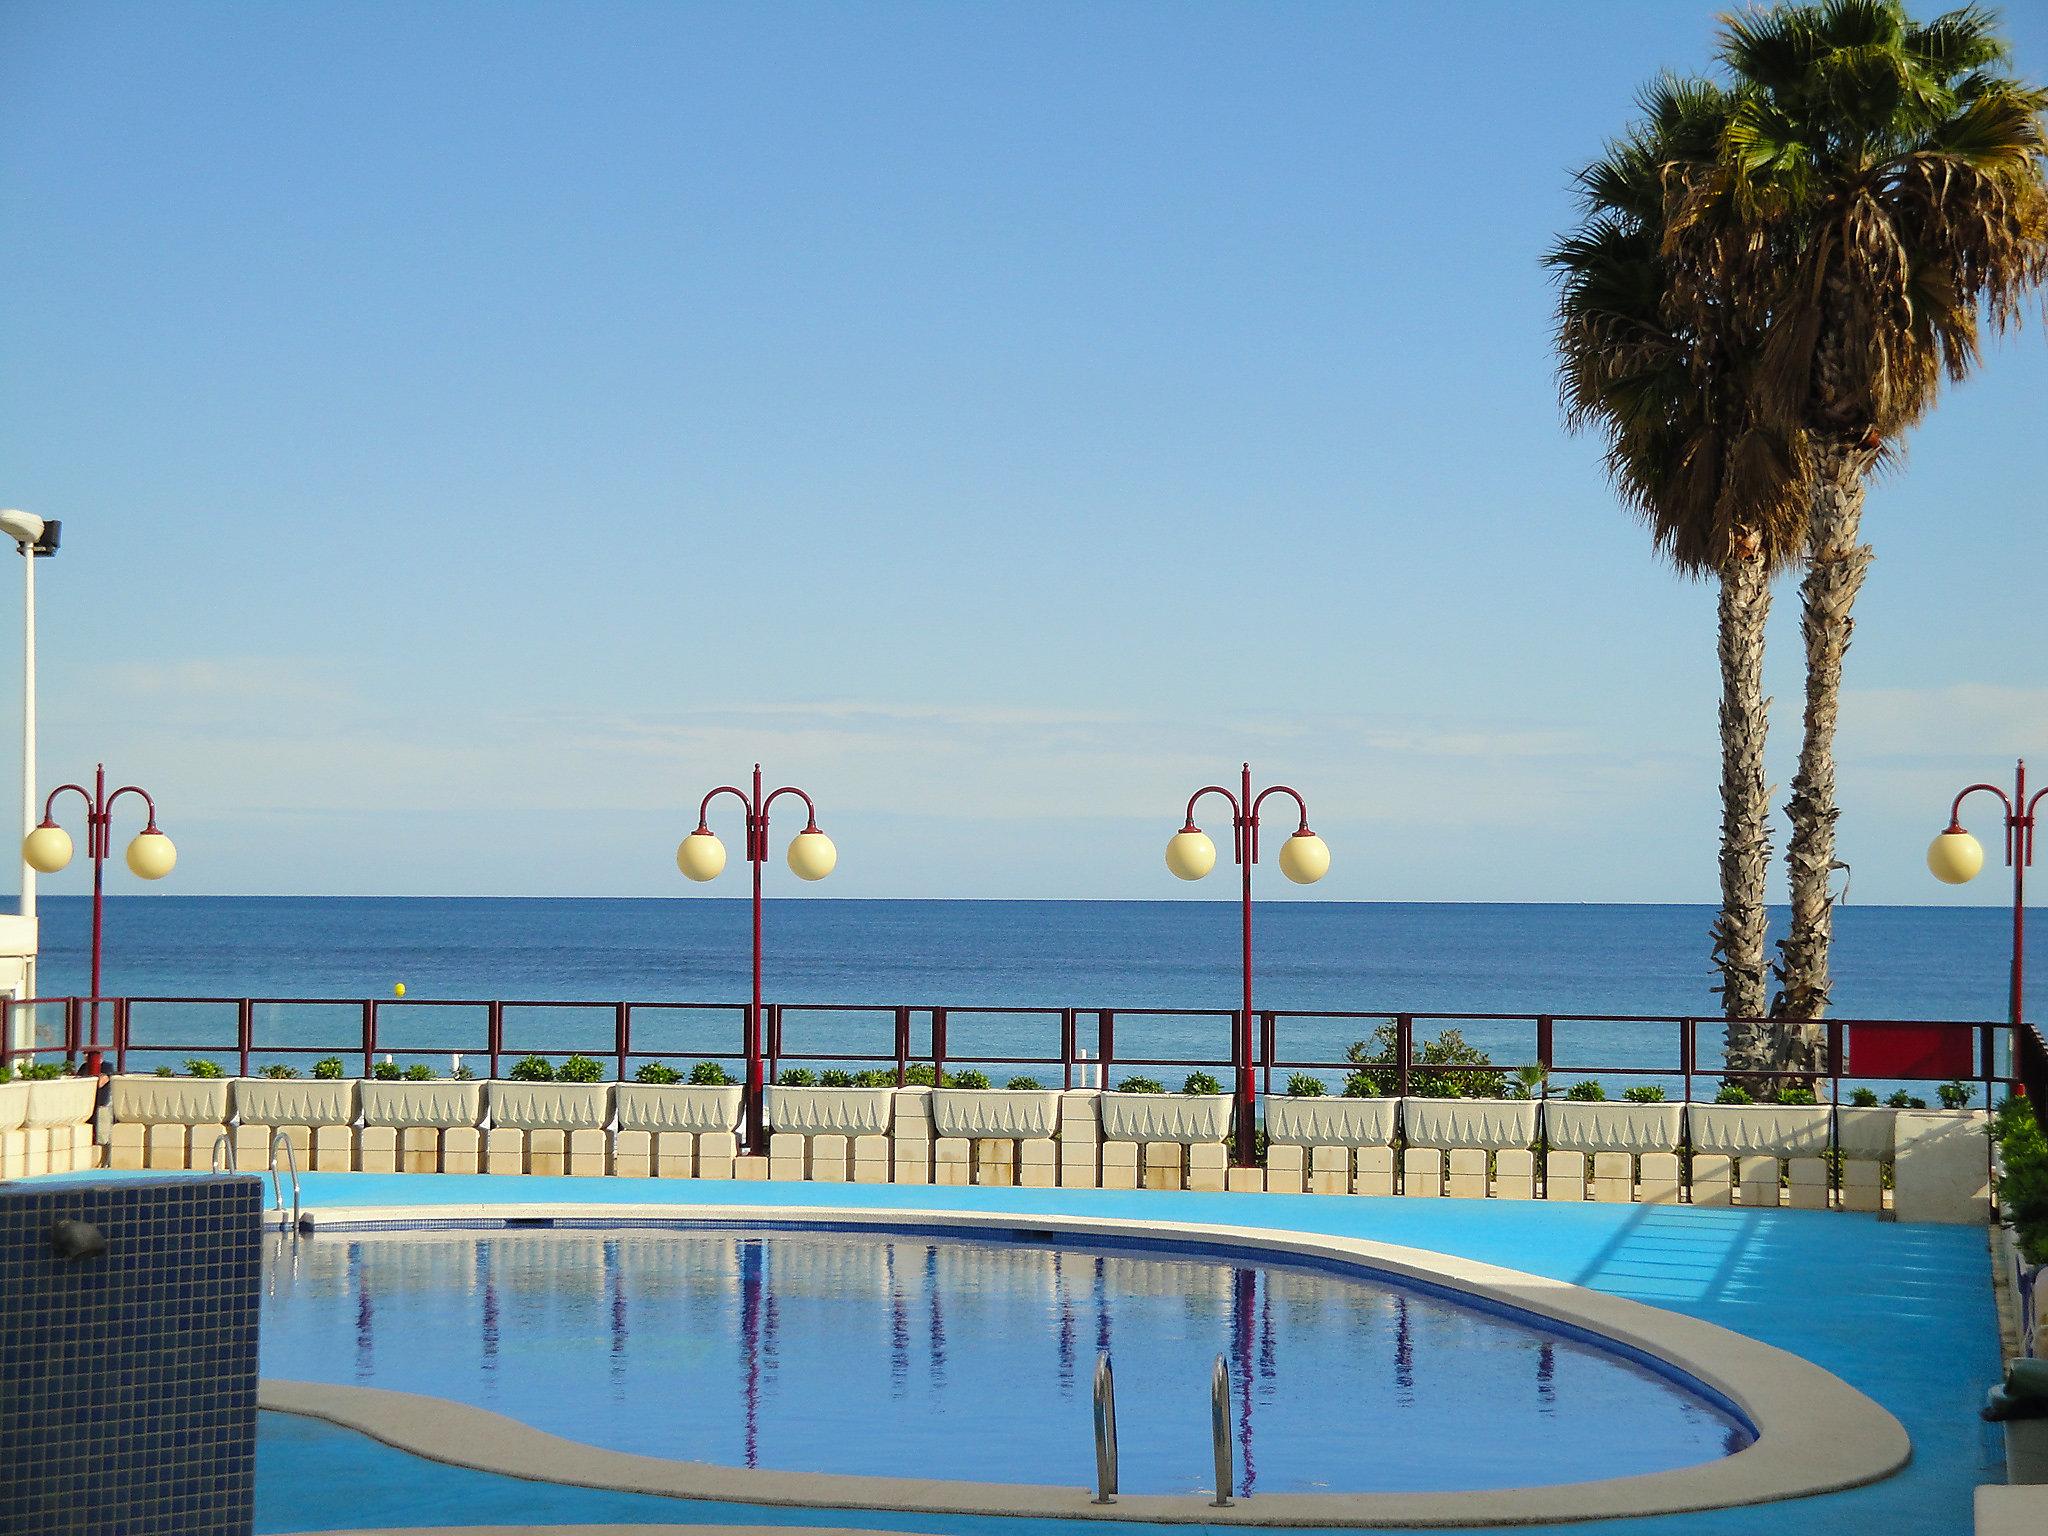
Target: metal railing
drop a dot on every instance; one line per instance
(1105, 1430)
(291, 1157)
(1219, 1433)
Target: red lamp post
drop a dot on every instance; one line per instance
(1304, 859)
(48, 849)
(1955, 857)
(701, 857)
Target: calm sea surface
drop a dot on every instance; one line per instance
(1901, 962)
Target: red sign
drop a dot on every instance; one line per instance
(1920, 1051)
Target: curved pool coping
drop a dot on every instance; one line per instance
(1814, 1432)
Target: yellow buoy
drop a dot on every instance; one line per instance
(398, 989)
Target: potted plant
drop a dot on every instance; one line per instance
(1140, 1109)
(1308, 1116)
(659, 1100)
(51, 1099)
(1736, 1125)
(393, 1099)
(200, 1099)
(802, 1102)
(1585, 1121)
(540, 1096)
(971, 1107)
(275, 1100)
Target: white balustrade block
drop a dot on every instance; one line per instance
(831, 1158)
(747, 1168)
(1119, 1164)
(505, 1150)
(1467, 1177)
(1079, 1168)
(632, 1154)
(675, 1155)
(587, 1152)
(547, 1151)
(163, 1147)
(1807, 1183)
(1757, 1178)
(462, 1149)
(1710, 1183)
(1564, 1176)
(1614, 1177)
(911, 1162)
(786, 1155)
(1247, 1181)
(334, 1148)
(1657, 1178)
(1375, 1174)
(1941, 1170)
(1863, 1189)
(376, 1149)
(718, 1155)
(419, 1149)
(1514, 1174)
(1162, 1165)
(995, 1159)
(1422, 1172)
(871, 1160)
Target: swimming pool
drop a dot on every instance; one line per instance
(918, 1353)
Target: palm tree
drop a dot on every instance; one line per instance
(1879, 197)
(1666, 377)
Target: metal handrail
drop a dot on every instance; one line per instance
(223, 1142)
(1105, 1430)
(1219, 1431)
(291, 1157)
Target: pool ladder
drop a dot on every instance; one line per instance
(224, 1157)
(1219, 1432)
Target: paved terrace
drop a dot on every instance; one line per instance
(1904, 1312)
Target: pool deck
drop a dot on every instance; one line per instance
(1902, 1312)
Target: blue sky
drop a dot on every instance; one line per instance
(480, 428)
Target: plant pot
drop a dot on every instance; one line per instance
(979, 1114)
(1183, 1117)
(1571, 1125)
(549, 1106)
(1866, 1134)
(1331, 1122)
(1494, 1124)
(170, 1100)
(693, 1107)
(830, 1111)
(295, 1100)
(13, 1106)
(62, 1100)
(1758, 1130)
(402, 1104)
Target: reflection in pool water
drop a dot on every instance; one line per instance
(914, 1355)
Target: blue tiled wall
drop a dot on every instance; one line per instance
(128, 1379)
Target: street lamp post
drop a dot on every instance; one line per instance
(701, 856)
(48, 848)
(1304, 859)
(33, 537)
(1955, 857)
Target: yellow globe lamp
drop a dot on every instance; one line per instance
(1955, 857)
(700, 855)
(1190, 854)
(811, 855)
(152, 855)
(1304, 858)
(47, 849)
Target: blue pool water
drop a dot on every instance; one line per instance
(913, 1354)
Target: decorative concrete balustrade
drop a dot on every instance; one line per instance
(1804, 1156)
(46, 1126)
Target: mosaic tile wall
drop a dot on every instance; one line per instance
(128, 1377)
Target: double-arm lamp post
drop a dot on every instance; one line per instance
(1955, 857)
(701, 856)
(48, 849)
(1304, 859)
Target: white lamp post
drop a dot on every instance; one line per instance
(33, 536)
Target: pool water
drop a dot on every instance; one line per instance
(912, 1354)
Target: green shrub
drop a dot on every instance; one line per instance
(1200, 1082)
(797, 1077)
(463, 1075)
(835, 1077)
(580, 1069)
(969, 1079)
(327, 1068)
(1863, 1098)
(1141, 1085)
(2023, 1190)
(1306, 1085)
(532, 1069)
(50, 1071)
(1901, 1099)
(386, 1072)
(1956, 1095)
(1376, 1068)
(710, 1074)
(1024, 1084)
(1644, 1093)
(1792, 1093)
(658, 1072)
(199, 1067)
(1588, 1092)
(875, 1077)
(1734, 1093)
(164, 1071)
(279, 1070)
(419, 1072)
(921, 1075)
(1527, 1082)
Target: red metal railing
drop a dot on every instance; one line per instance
(489, 1031)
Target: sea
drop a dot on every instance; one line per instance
(1368, 958)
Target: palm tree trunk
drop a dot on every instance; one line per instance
(1836, 564)
(1739, 931)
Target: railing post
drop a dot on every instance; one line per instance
(72, 1013)
(1404, 1048)
(369, 1036)
(1069, 1030)
(1546, 1048)
(245, 1030)
(902, 1044)
(1688, 1047)
(1105, 1041)
(494, 1034)
(622, 1034)
(1269, 1046)
(6, 1033)
(121, 1035)
(939, 1047)
(774, 1044)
